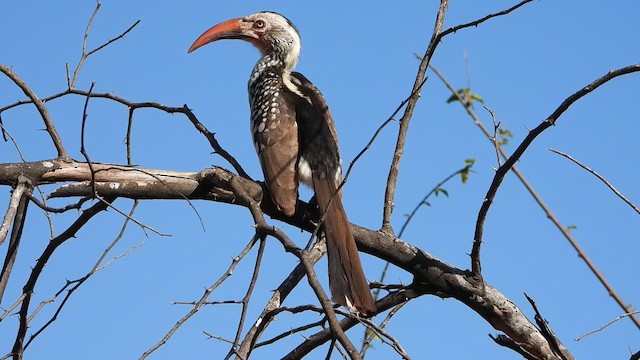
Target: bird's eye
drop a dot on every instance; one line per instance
(259, 23)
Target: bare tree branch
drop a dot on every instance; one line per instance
(504, 169)
(273, 305)
(548, 213)
(16, 196)
(99, 265)
(607, 325)
(132, 106)
(419, 82)
(42, 109)
(203, 299)
(483, 19)
(392, 179)
(437, 276)
(307, 262)
(370, 336)
(247, 296)
(71, 81)
(17, 214)
(316, 340)
(18, 347)
(556, 344)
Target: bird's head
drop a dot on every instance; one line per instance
(268, 31)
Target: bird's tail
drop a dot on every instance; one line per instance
(348, 284)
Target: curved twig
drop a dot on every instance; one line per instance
(600, 177)
(42, 109)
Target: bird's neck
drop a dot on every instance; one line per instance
(277, 61)
(281, 55)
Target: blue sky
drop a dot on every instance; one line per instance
(362, 58)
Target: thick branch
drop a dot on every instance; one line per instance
(215, 184)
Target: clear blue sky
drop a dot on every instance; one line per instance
(362, 58)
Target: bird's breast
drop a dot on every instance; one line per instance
(264, 101)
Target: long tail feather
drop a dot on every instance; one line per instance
(348, 284)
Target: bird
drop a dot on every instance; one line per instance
(296, 140)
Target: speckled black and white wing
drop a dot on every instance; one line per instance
(275, 136)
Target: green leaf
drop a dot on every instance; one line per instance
(571, 227)
(441, 190)
(461, 93)
(505, 132)
(464, 176)
(426, 203)
(477, 98)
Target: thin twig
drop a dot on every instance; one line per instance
(291, 332)
(114, 39)
(247, 296)
(43, 206)
(10, 309)
(494, 138)
(219, 338)
(483, 19)
(600, 177)
(378, 131)
(83, 149)
(377, 331)
(221, 302)
(607, 325)
(437, 187)
(6, 134)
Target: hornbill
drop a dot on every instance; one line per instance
(295, 138)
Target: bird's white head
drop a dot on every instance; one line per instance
(270, 32)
